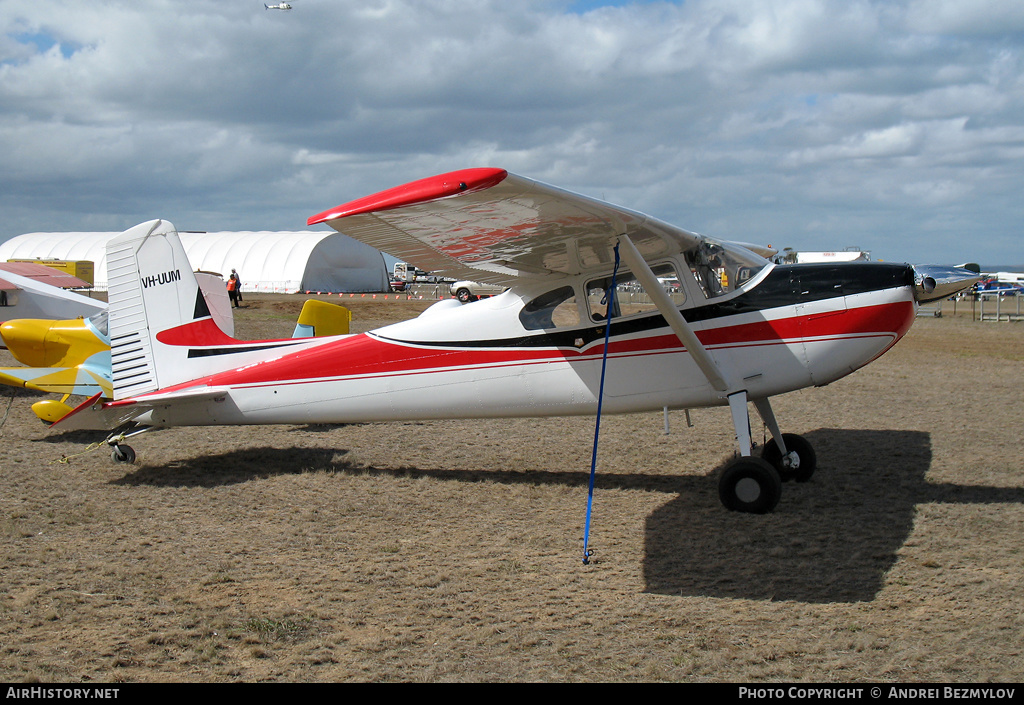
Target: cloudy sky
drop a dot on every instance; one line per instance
(895, 126)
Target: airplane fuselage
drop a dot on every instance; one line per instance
(796, 326)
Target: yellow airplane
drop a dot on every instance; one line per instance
(72, 357)
(67, 357)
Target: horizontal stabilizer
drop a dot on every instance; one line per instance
(96, 415)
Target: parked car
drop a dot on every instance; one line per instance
(466, 291)
(399, 285)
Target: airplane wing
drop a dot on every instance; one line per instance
(40, 300)
(494, 227)
(62, 380)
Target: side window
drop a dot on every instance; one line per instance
(630, 296)
(555, 309)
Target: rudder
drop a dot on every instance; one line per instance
(151, 289)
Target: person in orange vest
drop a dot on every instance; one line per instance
(238, 284)
(233, 288)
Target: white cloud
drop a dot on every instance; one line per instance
(994, 18)
(820, 121)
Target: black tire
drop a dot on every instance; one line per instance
(464, 296)
(123, 454)
(750, 485)
(799, 468)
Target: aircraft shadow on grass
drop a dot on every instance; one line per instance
(832, 539)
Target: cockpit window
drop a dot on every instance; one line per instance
(555, 309)
(720, 270)
(630, 296)
(99, 320)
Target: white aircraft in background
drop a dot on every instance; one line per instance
(28, 297)
(585, 321)
(278, 6)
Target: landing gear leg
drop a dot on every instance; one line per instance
(789, 453)
(748, 484)
(741, 420)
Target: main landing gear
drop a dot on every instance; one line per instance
(754, 485)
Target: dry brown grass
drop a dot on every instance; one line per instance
(451, 551)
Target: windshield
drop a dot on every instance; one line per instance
(99, 322)
(720, 269)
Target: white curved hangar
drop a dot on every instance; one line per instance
(267, 261)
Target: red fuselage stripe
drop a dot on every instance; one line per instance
(365, 356)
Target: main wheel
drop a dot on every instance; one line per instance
(799, 462)
(123, 454)
(464, 296)
(750, 485)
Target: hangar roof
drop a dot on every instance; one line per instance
(266, 261)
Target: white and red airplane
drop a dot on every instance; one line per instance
(731, 328)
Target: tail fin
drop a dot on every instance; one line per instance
(152, 290)
(321, 318)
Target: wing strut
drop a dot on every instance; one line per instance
(672, 316)
(737, 395)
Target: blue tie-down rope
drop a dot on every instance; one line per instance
(587, 552)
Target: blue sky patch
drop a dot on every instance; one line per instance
(582, 6)
(43, 43)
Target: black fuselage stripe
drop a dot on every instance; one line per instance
(785, 285)
(210, 352)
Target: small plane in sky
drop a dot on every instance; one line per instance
(279, 6)
(586, 322)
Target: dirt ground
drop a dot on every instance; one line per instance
(451, 551)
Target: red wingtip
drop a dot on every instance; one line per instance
(430, 189)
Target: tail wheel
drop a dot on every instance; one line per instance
(799, 462)
(750, 485)
(123, 454)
